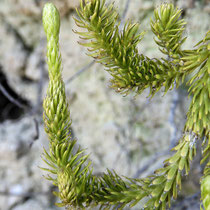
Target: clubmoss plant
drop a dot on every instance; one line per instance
(69, 167)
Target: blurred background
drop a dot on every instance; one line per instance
(132, 135)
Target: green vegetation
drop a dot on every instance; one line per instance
(117, 51)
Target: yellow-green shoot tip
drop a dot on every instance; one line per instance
(51, 20)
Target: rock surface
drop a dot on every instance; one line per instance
(121, 133)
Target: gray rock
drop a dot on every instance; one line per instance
(120, 133)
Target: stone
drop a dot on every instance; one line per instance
(120, 133)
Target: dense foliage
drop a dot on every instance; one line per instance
(131, 71)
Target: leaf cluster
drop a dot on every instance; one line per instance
(118, 51)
